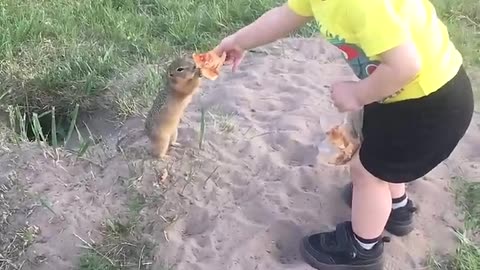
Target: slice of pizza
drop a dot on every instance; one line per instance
(209, 63)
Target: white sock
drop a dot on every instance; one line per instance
(366, 246)
(400, 204)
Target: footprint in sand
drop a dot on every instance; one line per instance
(284, 237)
(292, 151)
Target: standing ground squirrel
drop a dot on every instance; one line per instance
(161, 126)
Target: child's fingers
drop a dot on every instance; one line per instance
(228, 61)
(234, 66)
(236, 63)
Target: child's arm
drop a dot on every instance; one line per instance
(398, 67)
(272, 25)
(382, 29)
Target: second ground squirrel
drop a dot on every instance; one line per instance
(182, 82)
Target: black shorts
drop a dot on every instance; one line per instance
(405, 140)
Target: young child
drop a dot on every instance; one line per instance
(417, 102)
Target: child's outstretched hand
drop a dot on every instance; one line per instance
(345, 96)
(234, 52)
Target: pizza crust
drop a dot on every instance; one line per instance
(209, 63)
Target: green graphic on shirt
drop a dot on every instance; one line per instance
(362, 66)
(356, 58)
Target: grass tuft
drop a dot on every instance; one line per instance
(462, 18)
(222, 121)
(467, 255)
(122, 246)
(469, 198)
(54, 133)
(93, 261)
(73, 123)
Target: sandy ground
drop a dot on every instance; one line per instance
(245, 200)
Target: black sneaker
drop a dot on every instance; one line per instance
(400, 222)
(338, 250)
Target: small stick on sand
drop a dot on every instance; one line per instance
(166, 236)
(210, 176)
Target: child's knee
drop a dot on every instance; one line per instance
(360, 176)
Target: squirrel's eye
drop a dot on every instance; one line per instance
(179, 69)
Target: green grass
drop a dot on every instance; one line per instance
(462, 18)
(93, 261)
(57, 53)
(122, 247)
(469, 197)
(467, 256)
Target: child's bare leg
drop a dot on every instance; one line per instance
(397, 190)
(371, 204)
(400, 221)
(359, 242)
(399, 195)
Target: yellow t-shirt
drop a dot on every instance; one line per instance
(364, 29)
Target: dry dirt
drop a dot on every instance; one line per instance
(242, 202)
